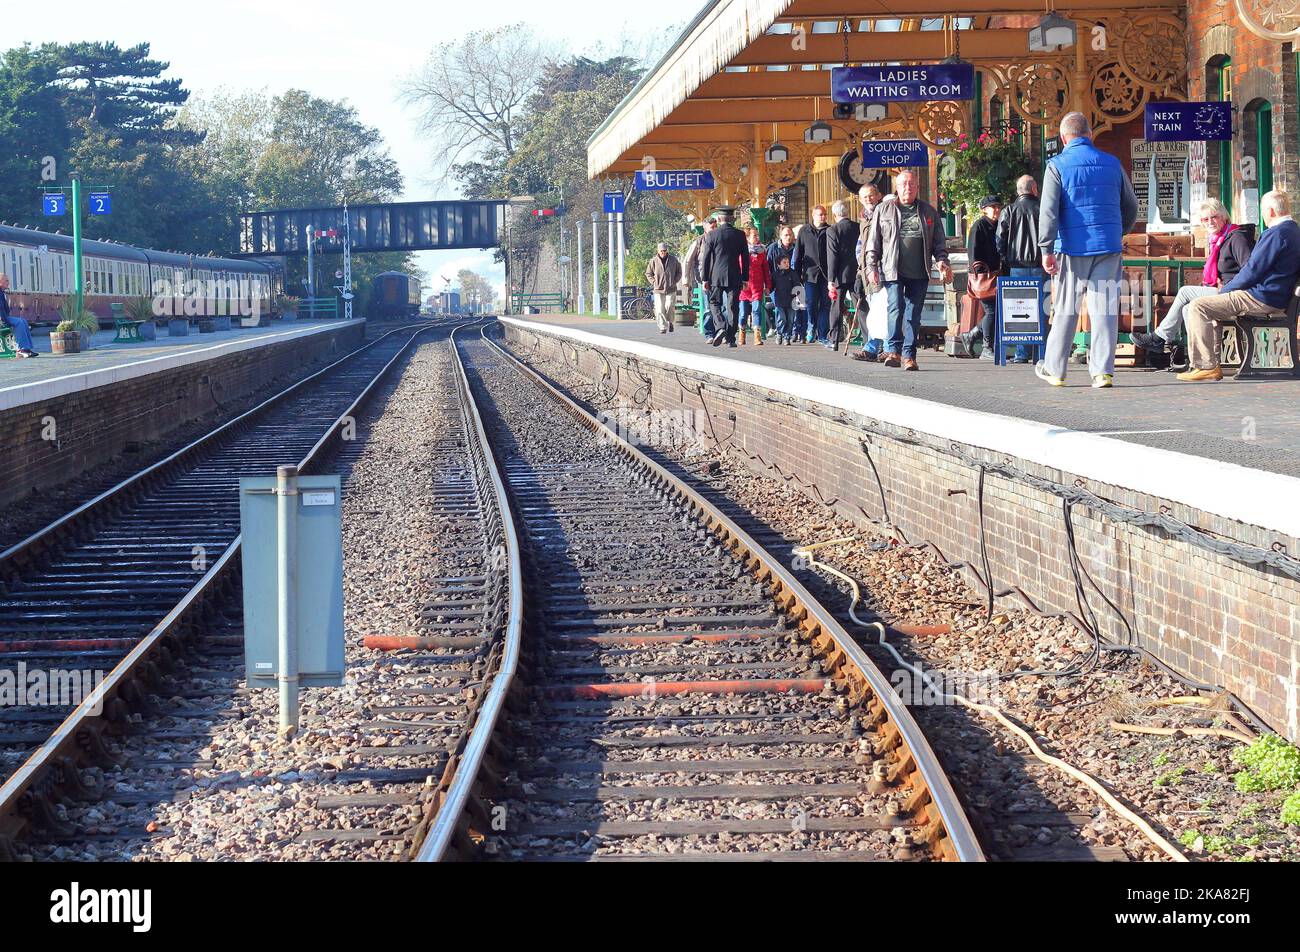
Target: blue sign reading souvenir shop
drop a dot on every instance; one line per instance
(672, 180)
(1188, 121)
(894, 154)
(903, 83)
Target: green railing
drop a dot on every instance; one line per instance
(520, 299)
(318, 308)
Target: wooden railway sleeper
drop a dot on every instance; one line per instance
(90, 741)
(68, 779)
(39, 806)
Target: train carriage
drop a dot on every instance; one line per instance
(41, 274)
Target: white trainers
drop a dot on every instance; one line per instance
(1040, 371)
(1102, 381)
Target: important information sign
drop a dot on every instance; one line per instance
(923, 83)
(1020, 314)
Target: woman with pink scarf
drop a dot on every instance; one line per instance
(1226, 251)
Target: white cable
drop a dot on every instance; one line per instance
(989, 710)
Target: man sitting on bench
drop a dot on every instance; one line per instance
(22, 334)
(1263, 286)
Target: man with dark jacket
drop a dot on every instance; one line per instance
(1264, 286)
(1087, 206)
(906, 237)
(868, 298)
(724, 264)
(841, 269)
(982, 246)
(1016, 241)
(812, 263)
(1227, 249)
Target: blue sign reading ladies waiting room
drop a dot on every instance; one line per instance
(937, 81)
(1188, 121)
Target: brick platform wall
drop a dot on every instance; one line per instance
(1210, 618)
(93, 426)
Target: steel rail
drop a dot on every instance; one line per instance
(66, 739)
(962, 842)
(446, 822)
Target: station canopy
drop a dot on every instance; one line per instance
(747, 74)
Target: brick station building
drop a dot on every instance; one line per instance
(747, 75)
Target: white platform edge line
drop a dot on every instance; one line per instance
(23, 394)
(1251, 496)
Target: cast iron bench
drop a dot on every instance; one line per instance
(1264, 344)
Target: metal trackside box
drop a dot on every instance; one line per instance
(317, 570)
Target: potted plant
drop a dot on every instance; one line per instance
(65, 338)
(287, 307)
(81, 320)
(141, 309)
(987, 165)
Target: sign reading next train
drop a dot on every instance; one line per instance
(917, 83)
(1188, 121)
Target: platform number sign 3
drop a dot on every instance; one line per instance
(54, 203)
(101, 203)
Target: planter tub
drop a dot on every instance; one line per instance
(65, 343)
(178, 327)
(149, 330)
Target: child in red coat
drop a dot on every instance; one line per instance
(753, 293)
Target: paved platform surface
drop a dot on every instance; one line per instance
(25, 380)
(1250, 423)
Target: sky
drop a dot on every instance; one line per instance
(332, 49)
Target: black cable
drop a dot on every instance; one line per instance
(984, 547)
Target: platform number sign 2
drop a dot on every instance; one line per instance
(54, 203)
(101, 203)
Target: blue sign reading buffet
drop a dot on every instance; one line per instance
(894, 153)
(673, 180)
(938, 81)
(1188, 121)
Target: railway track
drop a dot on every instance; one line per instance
(123, 586)
(678, 694)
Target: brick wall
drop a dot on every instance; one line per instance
(1261, 70)
(93, 426)
(1210, 618)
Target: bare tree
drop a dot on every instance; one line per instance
(471, 92)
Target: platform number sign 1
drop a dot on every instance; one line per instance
(54, 203)
(101, 203)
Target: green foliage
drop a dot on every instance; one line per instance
(1189, 837)
(1271, 764)
(1210, 767)
(1171, 777)
(989, 165)
(1160, 759)
(180, 171)
(65, 327)
(140, 309)
(1250, 810)
(1291, 810)
(1216, 843)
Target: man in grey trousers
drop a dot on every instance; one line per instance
(1086, 207)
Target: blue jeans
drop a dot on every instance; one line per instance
(751, 311)
(784, 321)
(22, 333)
(1023, 351)
(874, 346)
(906, 298)
(819, 308)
